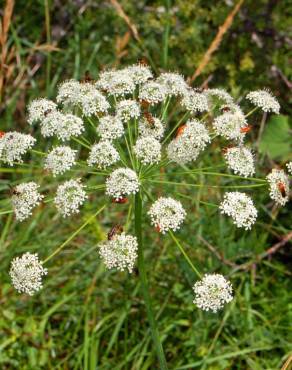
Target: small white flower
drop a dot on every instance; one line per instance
(103, 155)
(174, 83)
(50, 123)
(25, 197)
(127, 109)
(69, 126)
(60, 159)
(69, 93)
(289, 167)
(140, 73)
(38, 109)
(219, 94)
(92, 101)
(13, 145)
(193, 137)
(240, 160)
(120, 252)
(279, 186)
(194, 101)
(117, 83)
(212, 292)
(152, 92)
(230, 125)
(148, 150)
(240, 208)
(110, 128)
(26, 273)
(69, 197)
(122, 182)
(167, 214)
(264, 100)
(155, 129)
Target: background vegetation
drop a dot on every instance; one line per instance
(87, 317)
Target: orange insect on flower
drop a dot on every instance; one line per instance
(282, 189)
(246, 129)
(120, 200)
(157, 228)
(149, 118)
(180, 130)
(2, 133)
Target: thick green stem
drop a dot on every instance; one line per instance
(144, 283)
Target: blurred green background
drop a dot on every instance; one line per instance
(87, 317)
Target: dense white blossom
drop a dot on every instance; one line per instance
(289, 167)
(212, 292)
(39, 108)
(191, 139)
(230, 125)
(122, 182)
(154, 129)
(13, 145)
(24, 198)
(103, 154)
(240, 208)
(279, 186)
(110, 128)
(127, 109)
(240, 159)
(139, 73)
(60, 159)
(116, 82)
(264, 100)
(148, 150)
(152, 92)
(69, 197)
(174, 83)
(219, 94)
(69, 93)
(167, 214)
(119, 252)
(194, 101)
(26, 273)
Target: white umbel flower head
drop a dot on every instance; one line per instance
(240, 159)
(92, 101)
(60, 160)
(279, 186)
(69, 126)
(155, 129)
(167, 214)
(152, 92)
(191, 139)
(140, 73)
(119, 252)
(26, 273)
(122, 182)
(174, 83)
(264, 100)
(13, 145)
(219, 94)
(24, 199)
(212, 292)
(110, 128)
(240, 208)
(39, 108)
(194, 101)
(69, 93)
(69, 197)
(50, 123)
(127, 109)
(230, 125)
(117, 83)
(103, 155)
(289, 167)
(148, 150)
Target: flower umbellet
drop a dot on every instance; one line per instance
(126, 134)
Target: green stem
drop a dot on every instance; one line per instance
(144, 283)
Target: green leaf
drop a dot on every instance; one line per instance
(275, 140)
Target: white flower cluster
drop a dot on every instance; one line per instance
(13, 145)
(103, 155)
(24, 198)
(279, 186)
(212, 292)
(127, 109)
(190, 141)
(69, 197)
(240, 208)
(120, 252)
(194, 101)
(240, 159)
(156, 129)
(174, 83)
(289, 167)
(110, 128)
(148, 150)
(116, 82)
(230, 125)
(152, 92)
(167, 214)
(139, 73)
(122, 182)
(39, 108)
(219, 94)
(60, 159)
(264, 100)
(26, 273)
